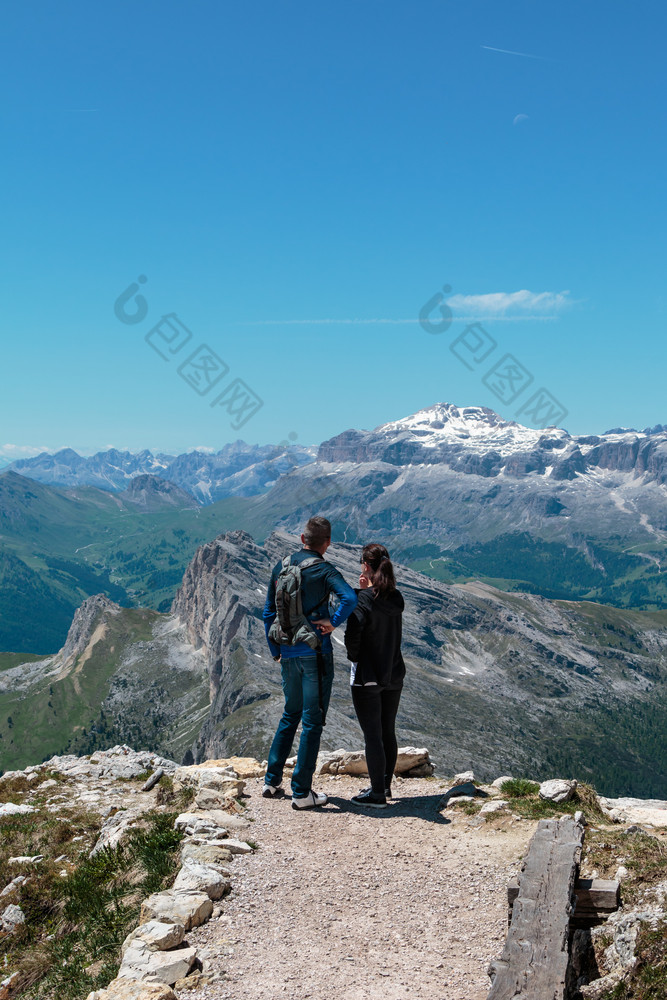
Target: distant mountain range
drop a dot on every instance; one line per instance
(238, 469)
(456, 493)
(472, 440)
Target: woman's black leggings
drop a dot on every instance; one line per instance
(376, 711)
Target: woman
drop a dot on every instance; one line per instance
(373, 643)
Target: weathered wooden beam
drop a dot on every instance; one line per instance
(533, 965)
(595, 899)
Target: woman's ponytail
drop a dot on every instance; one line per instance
(382, 578)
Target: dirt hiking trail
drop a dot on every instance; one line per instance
(343, 903)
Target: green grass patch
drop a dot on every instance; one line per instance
(526, 801)
(519, 788)
(79, 910)
(9, 660)
(643, 855)
(470, 808)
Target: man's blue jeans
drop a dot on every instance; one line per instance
(302, 705)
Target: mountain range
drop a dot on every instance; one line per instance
(238, 469)
(457, 493)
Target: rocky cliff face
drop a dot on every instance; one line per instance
(123, 673)
(91, 615)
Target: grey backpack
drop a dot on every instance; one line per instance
(290, 624)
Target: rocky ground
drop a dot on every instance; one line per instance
(339, 903)
(349, 904)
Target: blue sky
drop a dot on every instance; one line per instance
(296, 181)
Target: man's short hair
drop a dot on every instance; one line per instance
(317, 532)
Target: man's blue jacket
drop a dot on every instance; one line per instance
(317, 582)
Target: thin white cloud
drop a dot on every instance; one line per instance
(521, 305)
(520, 118)
(510, 52)
(511, 305)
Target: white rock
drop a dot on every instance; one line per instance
(114, 828)
(49, 783)
(132, 989)
(206, 854)
(237, 846)
(14, 884)
(217, 798)
(11, 917)
(558, 789)
(651, 812)
(410, 761)
(464, 777)
(25, 859)
(203, 828)
(499, 782)
(200, 776)
(242, 767)
(187, 908)
(621, 873)
(494, 806)
(156, 935)
(202, 878)
(11, 809)
(10, 775)
(139, 962)
(185, 820)
(623, 926)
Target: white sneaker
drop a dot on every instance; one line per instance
(271, 791)
(310, 801)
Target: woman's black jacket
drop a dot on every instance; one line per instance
(373, 638)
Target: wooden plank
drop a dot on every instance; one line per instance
(595, 899)
(533, 965)
(600, 894)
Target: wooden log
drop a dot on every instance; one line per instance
(533, 965)
(595, 899)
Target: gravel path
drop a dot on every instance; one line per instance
(341, 903)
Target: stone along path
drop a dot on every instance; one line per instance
(342, 903)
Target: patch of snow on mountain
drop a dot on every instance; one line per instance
(477, 426)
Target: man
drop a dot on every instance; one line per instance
(306, 683)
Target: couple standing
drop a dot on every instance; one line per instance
(373, 643)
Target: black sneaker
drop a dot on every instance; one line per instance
(387, 792)
(369, 798)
